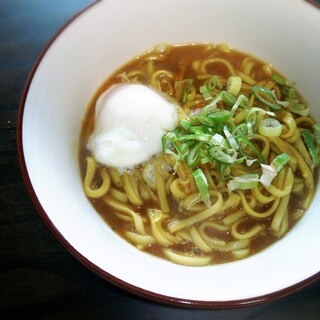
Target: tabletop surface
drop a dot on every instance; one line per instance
(38, 276)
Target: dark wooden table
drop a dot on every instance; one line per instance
(38, 276)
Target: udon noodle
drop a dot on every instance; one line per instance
(223, 213)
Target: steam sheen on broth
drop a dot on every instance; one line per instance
(233, 174)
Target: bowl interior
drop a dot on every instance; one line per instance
(88, 50)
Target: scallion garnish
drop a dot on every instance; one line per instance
(266, 97)
(222, 155)
(269, 172)
(185, 86)
(249, 150)
(214, 82)
(205, 93)
(202, 184)
(232, 141)
(298, 108)
(311, 145)
(234, 85)
(241, 101)
(193, 155)
(270, 127)
(213, 133)
(316, 128)
(244, 182)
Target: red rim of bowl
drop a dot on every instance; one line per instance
(102, 273)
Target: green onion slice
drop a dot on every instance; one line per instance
(250, 130)
(185, 124)
(279, 79)
(282, 81)
(310, 143)
(270, 127)
(241, 101)
(202, 184)
(299, 108)
(280, 161)
(269, 172)
(222, 155)
(244, 143)
(205, 93)
(186, 85)
(228, 98)
(219, 140)
(225, 171)
(240, 130)
(232, 141)
(212, 106)
(260, 91)
(219, 116)
(234, 85)
(244, 182)
(251, 114)
(316, 128)
(168, 145)
(199, 137)
(193, 155)
(214, 82)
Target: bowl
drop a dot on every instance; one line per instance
(80, 57)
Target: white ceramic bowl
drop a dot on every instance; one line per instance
(89, 48)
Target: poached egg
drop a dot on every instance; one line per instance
(130, 120)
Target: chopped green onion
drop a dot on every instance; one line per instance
(252, 114)
(199, 137)
(250, 129)
(205, 93)
(258, 91)
(269, 172)
(213, 82)
(290, 93)
(222, 155)
(316, 128)
(212, 106)
(299, 108)
(279, 79)
(193, 155)
(282, 81)
(205, 160)
(232, 141)
(270, 127)
(240, 130)
(244, 182)
(200, 129)
(186, 85)
(220, 116)
(202, 184)
(310, 143)
(228, 98)
(167, 145)
(225, 171)
(185, 124)
(186, 146)
(244, 143)
(241, 101)
(202, 120)
(218, 140)
(234, 85)
(280, 161)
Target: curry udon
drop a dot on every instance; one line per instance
(233, 177)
